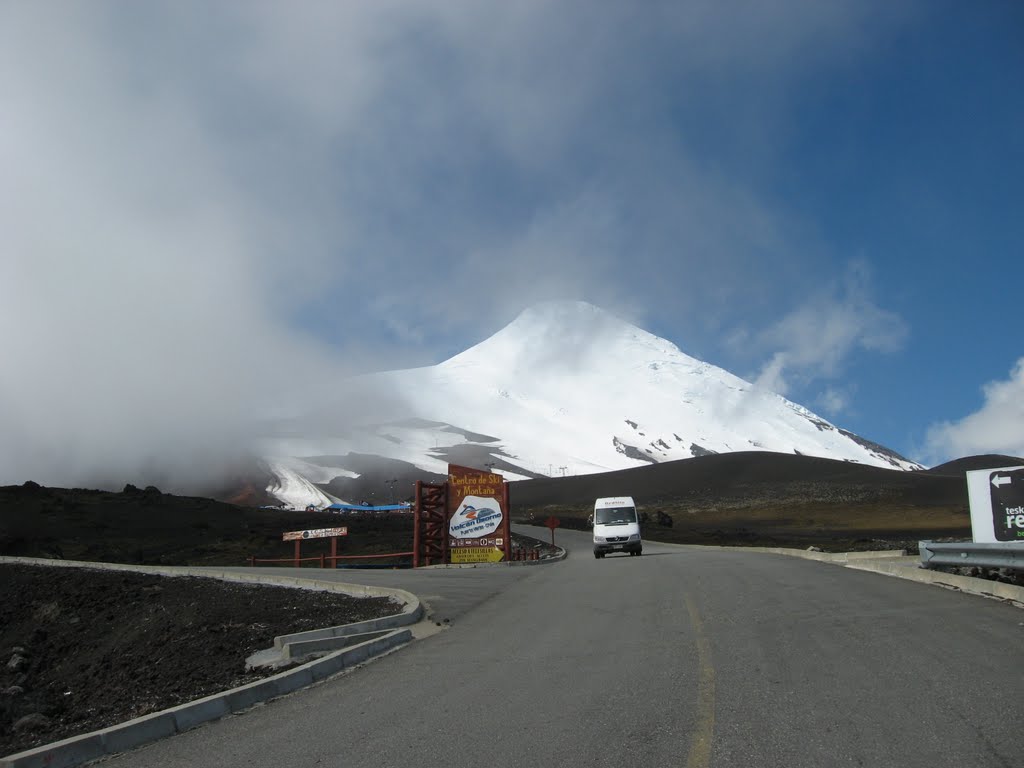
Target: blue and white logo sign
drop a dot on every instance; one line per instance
(477, 516)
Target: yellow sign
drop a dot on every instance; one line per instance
(477, 555)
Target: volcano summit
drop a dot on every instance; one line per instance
(564, 389)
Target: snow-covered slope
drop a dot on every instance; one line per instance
(566, 388)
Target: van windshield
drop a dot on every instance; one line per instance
(615, 516)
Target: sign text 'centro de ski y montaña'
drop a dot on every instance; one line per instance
(478, 520)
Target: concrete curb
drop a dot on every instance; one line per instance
(158, 725)
(840, 558)
(897, 563)
(973, 586)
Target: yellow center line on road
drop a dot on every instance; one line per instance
(700, 739)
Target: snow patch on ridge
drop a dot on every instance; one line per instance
(295, 483)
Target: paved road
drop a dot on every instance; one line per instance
(683, 657)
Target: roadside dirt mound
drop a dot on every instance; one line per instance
(82, 649)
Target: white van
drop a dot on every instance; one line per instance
(616, 527)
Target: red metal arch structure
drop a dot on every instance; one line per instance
(430, 525)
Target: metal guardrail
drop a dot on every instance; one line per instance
(967, 554)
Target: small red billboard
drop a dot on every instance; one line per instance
(552, 523)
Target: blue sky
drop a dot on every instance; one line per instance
(205, 203)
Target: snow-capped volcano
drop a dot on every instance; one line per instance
(566, 388)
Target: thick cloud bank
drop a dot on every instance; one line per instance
(994, 428)
(212, 212)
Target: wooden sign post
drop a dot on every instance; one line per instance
(316, 533)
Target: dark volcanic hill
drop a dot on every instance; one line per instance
(957, 467)
(751, 476)
(770, 497)
(753, 498)
(153, 528)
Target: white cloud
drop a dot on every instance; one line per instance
(833, 401)
(997, 427)
(139, 332)
(815, 341)
(771, 376)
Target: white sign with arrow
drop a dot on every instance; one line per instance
(996, 497)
